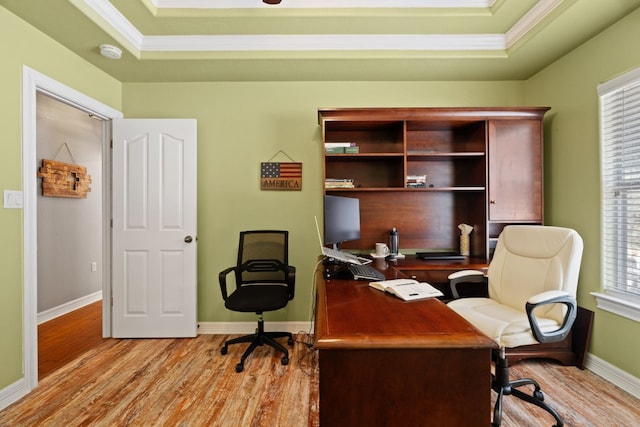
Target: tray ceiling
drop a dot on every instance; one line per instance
(248, 40)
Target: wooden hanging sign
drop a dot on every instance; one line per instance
(64, 180)
(285, 176)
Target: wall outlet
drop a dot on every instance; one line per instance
(94, 266)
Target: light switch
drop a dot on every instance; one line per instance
(12, 199)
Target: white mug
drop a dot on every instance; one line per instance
(382, 249)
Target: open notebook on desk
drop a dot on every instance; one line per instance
(407, 289)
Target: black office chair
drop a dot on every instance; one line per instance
(264, 282)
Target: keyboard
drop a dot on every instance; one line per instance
(440, 256)
(365, 272)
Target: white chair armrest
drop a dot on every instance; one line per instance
(465, 273)
(464, 276)
(547, 296)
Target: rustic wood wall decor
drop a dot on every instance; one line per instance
(64, 179)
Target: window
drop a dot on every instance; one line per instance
(620, 174)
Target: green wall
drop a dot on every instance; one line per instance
(20, 45)
(241, 125)
(572, 173)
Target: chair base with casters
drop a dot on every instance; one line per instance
(259, 339)
(501, 384)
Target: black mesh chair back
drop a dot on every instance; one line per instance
(263, 257)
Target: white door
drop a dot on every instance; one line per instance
(154, 228)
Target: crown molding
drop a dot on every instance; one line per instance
(107, 17)
(320, 4)
(325, 42)
(112, 21)
(529, 20)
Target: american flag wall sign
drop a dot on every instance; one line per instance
(281, 176)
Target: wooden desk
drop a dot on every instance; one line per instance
(386, 362)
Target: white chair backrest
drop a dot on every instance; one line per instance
(531, 259)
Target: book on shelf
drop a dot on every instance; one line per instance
(341, 148)
(338, 180)
(334, 150)
(407, 289)
(338, 183)
(416, 181)
(332, 186)
(339, 144)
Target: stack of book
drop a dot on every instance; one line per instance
(416, 181)
(338, 183)
(341, 148)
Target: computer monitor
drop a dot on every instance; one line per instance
(341, 220)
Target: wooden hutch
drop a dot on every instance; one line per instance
(426, 170)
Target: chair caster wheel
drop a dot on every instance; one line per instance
(290, 341)
(285, 360)
(224, 350)
(239, 367)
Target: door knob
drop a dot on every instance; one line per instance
(188, 239)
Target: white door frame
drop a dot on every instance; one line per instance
(32, 82)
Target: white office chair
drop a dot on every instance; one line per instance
(532, 282)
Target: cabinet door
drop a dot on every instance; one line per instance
(515, 170)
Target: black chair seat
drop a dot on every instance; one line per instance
(258, 298)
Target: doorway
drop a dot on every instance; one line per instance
(34, 83)
(68, 232)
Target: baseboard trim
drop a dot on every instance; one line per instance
(224, 328)
(13, 392)
(68, 307)
(613, 374)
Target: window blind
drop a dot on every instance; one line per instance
(620, 172)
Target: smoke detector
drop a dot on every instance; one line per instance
(110, 51)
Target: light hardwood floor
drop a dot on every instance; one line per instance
(187, 382)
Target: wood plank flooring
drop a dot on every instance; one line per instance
(187, 382)
(143, 382)
(64, 338)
